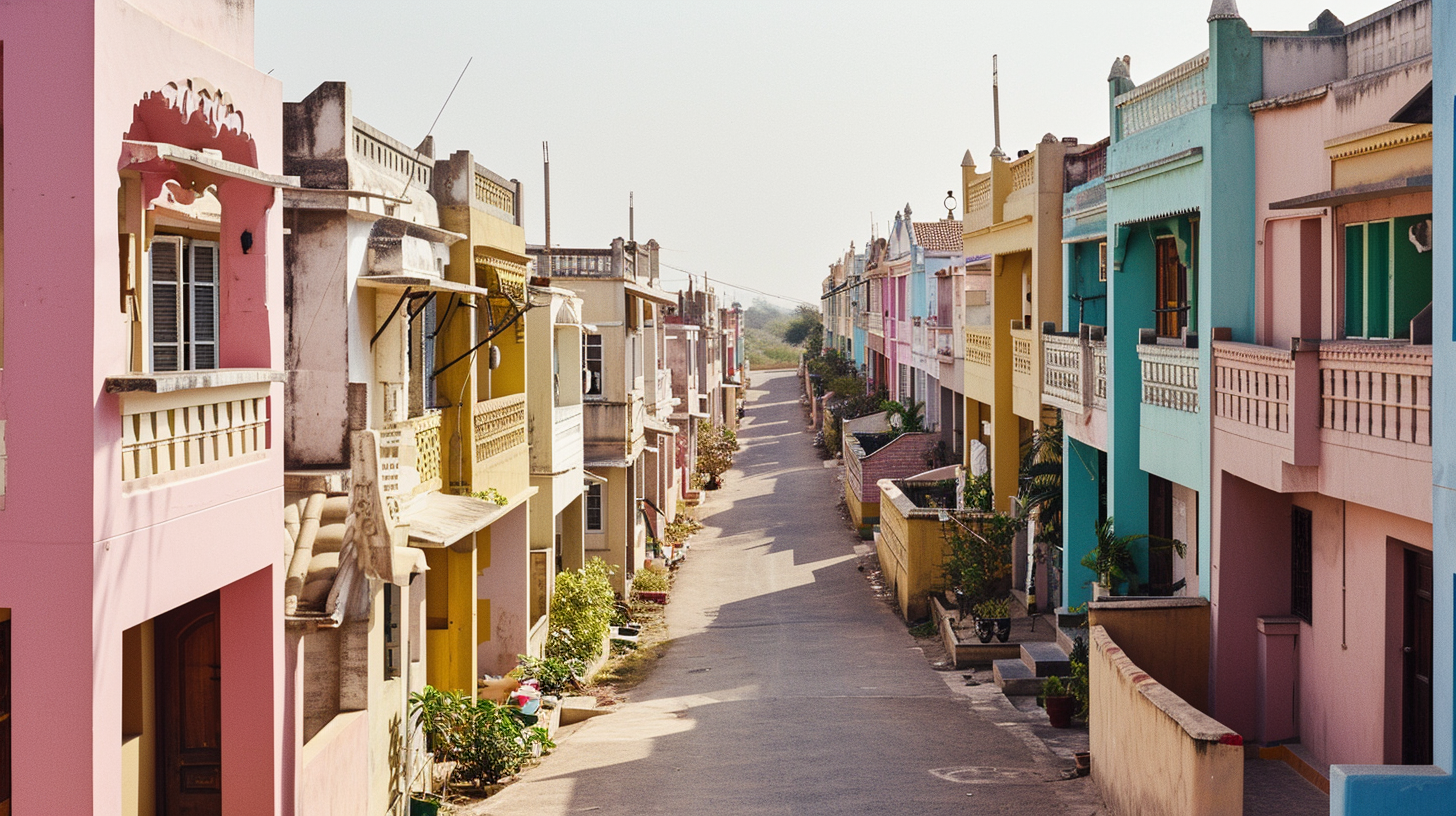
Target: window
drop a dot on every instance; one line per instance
(1301, 564)
(420, 351)
(183, 276)
(592, 355)
(594, 508)
(1102, 262)
(392, 639)
(1387, 276)
(1172, 305)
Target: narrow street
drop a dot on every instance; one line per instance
(789, 688)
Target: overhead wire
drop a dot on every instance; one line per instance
(729, 285)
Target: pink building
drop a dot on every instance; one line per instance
(1322, 431)
(141, 586)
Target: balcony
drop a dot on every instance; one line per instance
(613, 431)
(1345, 418)
(1170, 377)
(980, 365)
(502, 459)
(191, 423)
(409, 459)
(1025, 375)
(1074, 379)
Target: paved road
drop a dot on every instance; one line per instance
(789, 688)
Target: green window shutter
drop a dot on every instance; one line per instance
(1377, 279)
(1412, 275)
(1355, 280)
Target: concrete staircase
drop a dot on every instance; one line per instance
(1039, 660)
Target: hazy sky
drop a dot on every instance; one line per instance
(760, 138)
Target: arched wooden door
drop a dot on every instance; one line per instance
(189, 709)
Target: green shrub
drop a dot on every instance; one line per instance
(487, 741)
(553, 675)
(581, 612)
(682, 525)
(649, 581)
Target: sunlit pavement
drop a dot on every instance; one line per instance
(789, 688)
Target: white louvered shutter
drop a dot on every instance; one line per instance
(202, 272)
(164, 270)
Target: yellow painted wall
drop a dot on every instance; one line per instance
(1153, 752)
(450, 613)
(912, 551)
(138, 720)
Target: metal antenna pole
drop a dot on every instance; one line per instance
(546, 170)
(996, 99)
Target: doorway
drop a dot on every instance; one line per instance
(189, 709)
(1160, 526)
(1172, 294)
(1416, 659)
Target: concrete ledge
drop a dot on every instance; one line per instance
(1015, 678)
(1390, 790)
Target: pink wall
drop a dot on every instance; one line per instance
(85, 560)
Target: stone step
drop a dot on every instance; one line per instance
(1014, 678)
(1044, 659)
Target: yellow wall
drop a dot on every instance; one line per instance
(450, 614)
(1152, 751)
(912, 551)
(138, 720)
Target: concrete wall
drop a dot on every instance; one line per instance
(1152, 752)
(912, 549)
(1168, 637)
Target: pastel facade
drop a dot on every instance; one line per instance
(1429, 788)
(1311, 483)
(146, 588)
(1012, 246)
(626, 396)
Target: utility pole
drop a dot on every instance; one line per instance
(631, 217)
(546, 169)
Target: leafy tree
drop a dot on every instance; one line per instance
(805, 321)
(716, 446)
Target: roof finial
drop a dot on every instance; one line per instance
(1120, 68)
(1224, 10)
(967, 161)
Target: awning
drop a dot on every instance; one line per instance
(649, 293)
(1417, 111)
(423, 283)
(1358, 192)
(440, 519)
(413, 229)
(590, 478)
(135, 155)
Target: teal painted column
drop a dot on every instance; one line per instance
(1080, 489)
(1129, 293)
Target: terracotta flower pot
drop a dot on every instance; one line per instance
(1059, 710)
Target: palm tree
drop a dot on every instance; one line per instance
(1112, 558)
(906, 417)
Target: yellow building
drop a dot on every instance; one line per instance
(1013, 243)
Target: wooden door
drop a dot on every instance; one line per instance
(189, 709)
(1416, 725)
(1172, 289)
(5, 718)
(1160, 525)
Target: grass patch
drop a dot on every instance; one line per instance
(925, 629)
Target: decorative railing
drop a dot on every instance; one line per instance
(978, 202)
(582, 265)
(1376, 389)
(1022, 343)
(490, 192)
(1062, 376)
(1170, 95)
(165, 440)
(1023, 172)
(500, 425)
(1099, 373)
(1170, 377)
(422, 433)
(978, 347)
(1253, 385)
(411, 164)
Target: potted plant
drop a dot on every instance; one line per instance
(1059, 703)
(651, 584)
(993, 619)
(1112, 558)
